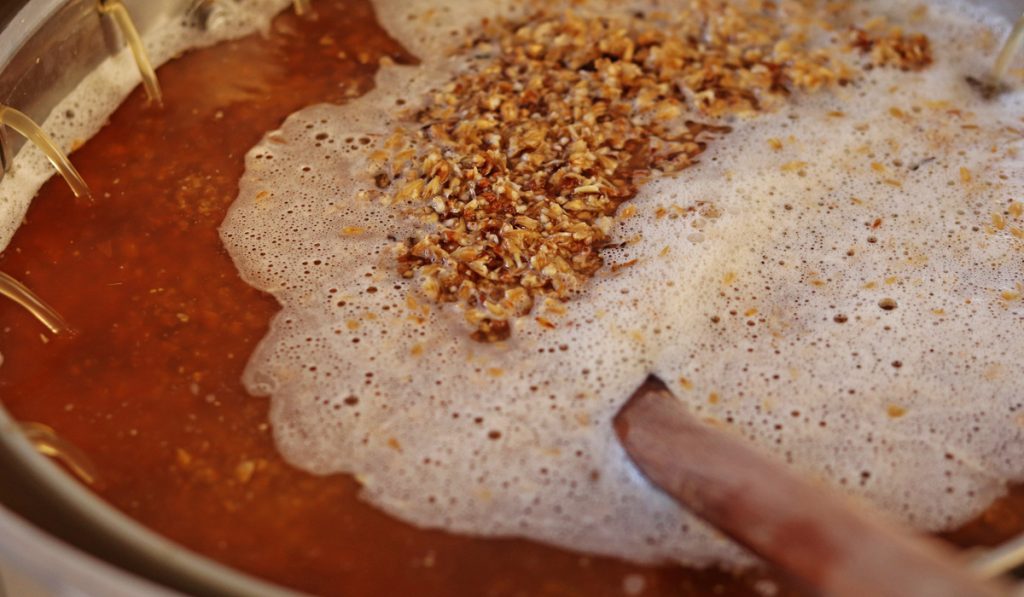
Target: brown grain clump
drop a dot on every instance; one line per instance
(519, 164)
(893, 48)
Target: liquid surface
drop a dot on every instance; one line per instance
(812, 283)
(149, 387)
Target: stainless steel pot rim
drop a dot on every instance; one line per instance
(36, 551)
(194, 568)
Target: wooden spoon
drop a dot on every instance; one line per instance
(834, 546)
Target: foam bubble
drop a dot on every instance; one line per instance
(848, 306)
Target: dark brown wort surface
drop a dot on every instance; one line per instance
(149, 387)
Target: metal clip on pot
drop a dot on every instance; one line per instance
(995, 81)
(47, 315)
(124, 22)
(17, 120)
(45, 439)
(48, 443)
(1010, 48)
(9, 287)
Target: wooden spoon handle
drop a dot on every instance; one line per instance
(817, 536)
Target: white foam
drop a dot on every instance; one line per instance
(515, 438)
(83, 112)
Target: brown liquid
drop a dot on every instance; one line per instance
(149, 387)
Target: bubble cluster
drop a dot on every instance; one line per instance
(850, 304)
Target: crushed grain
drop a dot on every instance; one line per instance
(516, 168)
